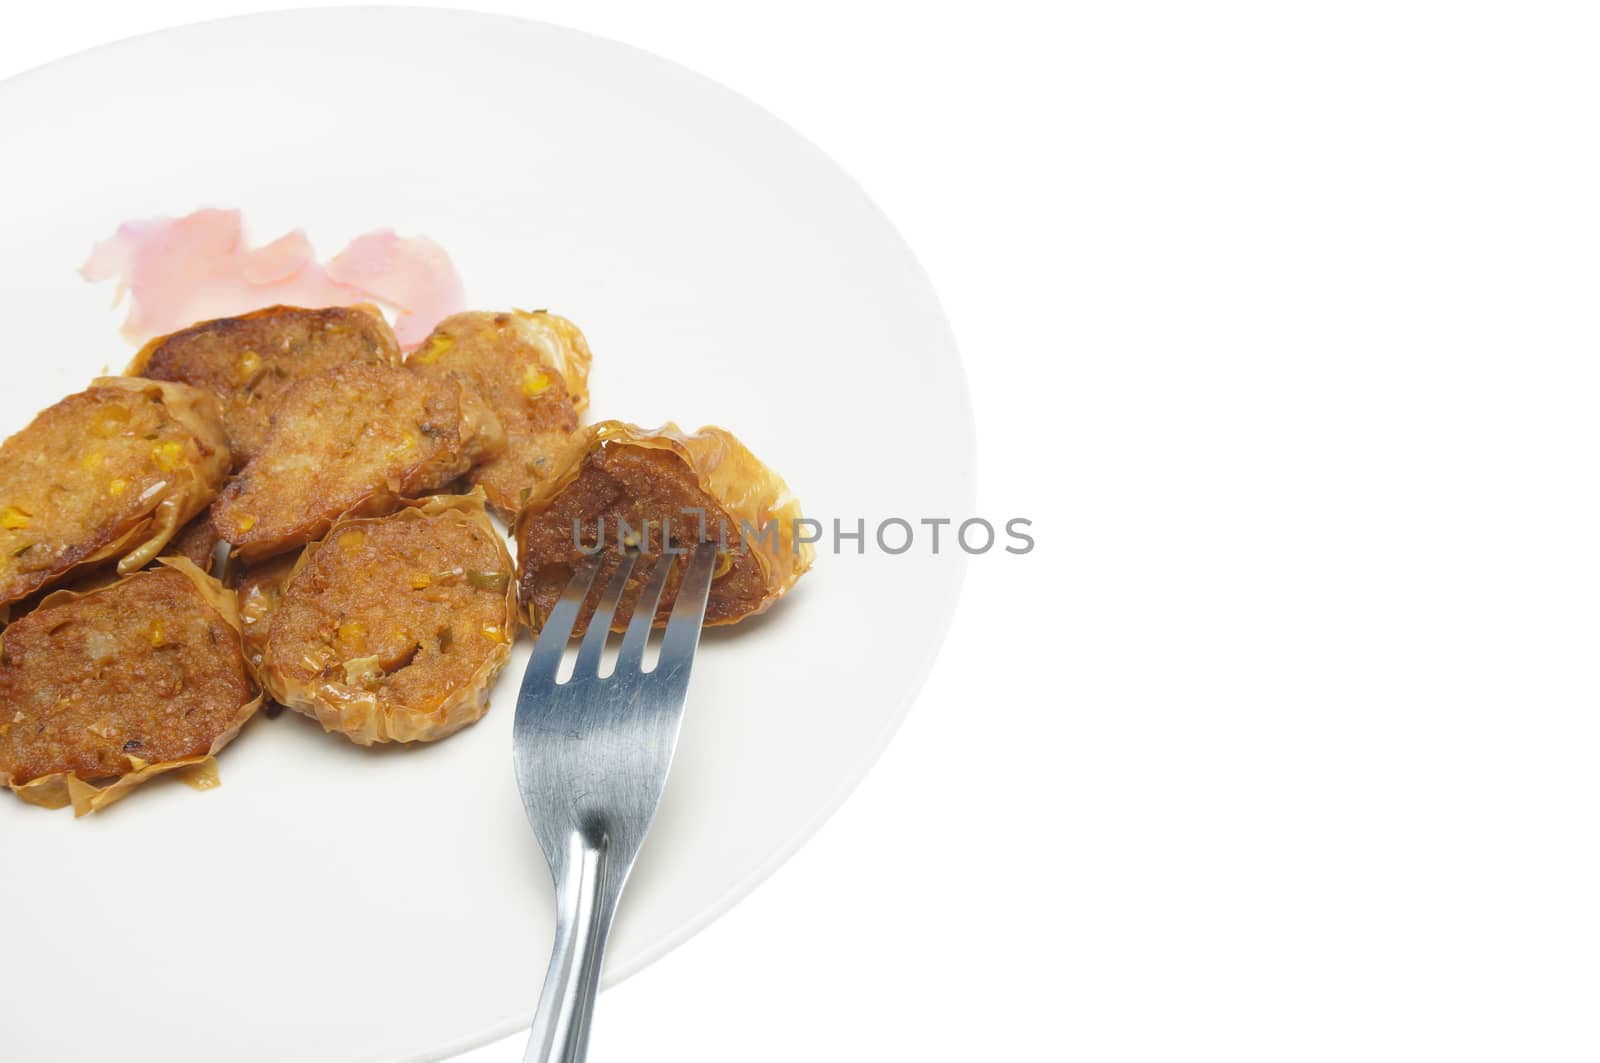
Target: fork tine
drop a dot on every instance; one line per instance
(545, 661)
(594, 639)
(644, 615)
(689, 610)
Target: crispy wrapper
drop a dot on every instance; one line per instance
(66, 788)
(197, 541)
(258, 587)
(190, 489)
(357, 714)
(194, 485)
(562, 347)
(750, 494)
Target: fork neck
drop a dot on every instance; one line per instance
(586, 898)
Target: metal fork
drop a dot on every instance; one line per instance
(592, 756)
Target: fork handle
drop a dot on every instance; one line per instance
(585, 903)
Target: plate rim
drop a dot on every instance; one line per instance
(964, 476)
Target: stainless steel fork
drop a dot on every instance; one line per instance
(592, 755)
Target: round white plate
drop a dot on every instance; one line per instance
(335, 903)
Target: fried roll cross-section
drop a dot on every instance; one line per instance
(391, 629)
(248, 361)
(533, 370)
(106, 689)
(662, 491)
(110, 473)
(354, 440)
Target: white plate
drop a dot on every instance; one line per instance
(334, 903)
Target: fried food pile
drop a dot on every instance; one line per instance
(282, 506)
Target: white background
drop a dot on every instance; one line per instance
(1281, 324)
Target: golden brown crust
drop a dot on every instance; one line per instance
(533, 371)
(354, 440)
(248, 361)
(391, 629)
(110, 473)
(654, 480)
(105, 689)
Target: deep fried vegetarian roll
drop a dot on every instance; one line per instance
(110, 473)
(105, 689)
(658, 490)
(533, 370)
(390, 629)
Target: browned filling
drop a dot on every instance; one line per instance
(406, 610)
(145, 669)
(358, 435)
(641, 488)
(248, 361)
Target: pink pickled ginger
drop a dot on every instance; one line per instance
(178, 271)
(414, 276)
